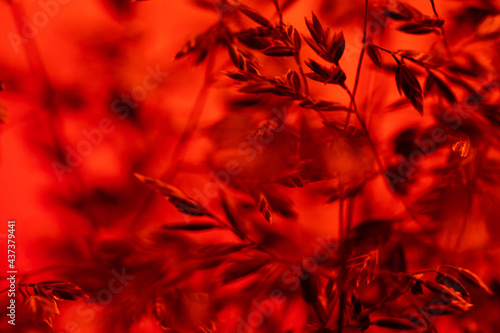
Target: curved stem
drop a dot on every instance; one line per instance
(180, 150)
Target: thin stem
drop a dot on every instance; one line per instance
(360, 62)
(194, 118)
(180, 150)
(443, 36)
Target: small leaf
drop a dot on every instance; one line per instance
(337, 47)
(239, 76)
(393, 323)
(332, 75)
(240, 269)
(264, 206)
(408, 83)
(254, 15)
(416, 29)
(447, 93)
(310, 288)
(471, 278)
(374, 54)
(42, 308)
(279, 51)
(294, 80)
(451, 282)
(223, 249)
(195, 226)
(441, 289)
(175, 196)
(66, 291)
(237, 221)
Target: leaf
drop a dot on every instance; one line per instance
(4, 115)
(416, 29)
(471, 278)
(259, 88)
(310, 288)
(195, 226)
(255, 38)
(240, 269)
(42, 308)
(335, 46)
(222, 249)
(408, 83)
(319, 105)
(315, 29)
(332, 75)
(329, 46)
(201, 44)
(279, 51)
(175, 196)
(254, 15)
(294, 80)
(447, 93)
(295, 38)
(452, 282)
(417, 289)
(401, 11)
(280, 202)
(393, 323)
(263, 206)
(374, 54)
(441, 289)
(239, 76)
(231, 210)
(65, 291)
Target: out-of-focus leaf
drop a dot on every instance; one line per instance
(416, 29)
(195, 226)
(43, 308)
(394, 323)
(434, 81)
(254, 15)
(4, 115)
(470, 277)
(452, 282)
(263, 205)
(222, 249)
(175, 196)
(239, 269)
(279, 51)
(65, 291)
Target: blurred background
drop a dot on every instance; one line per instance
(92, 94)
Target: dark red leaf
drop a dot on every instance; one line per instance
(254, 15)
(408, 83)
(471, 278)
(374, 54)
(416, 29)
(195, 226)
(393, 323)
(263, 205)
(183, 203)
(279, 51)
